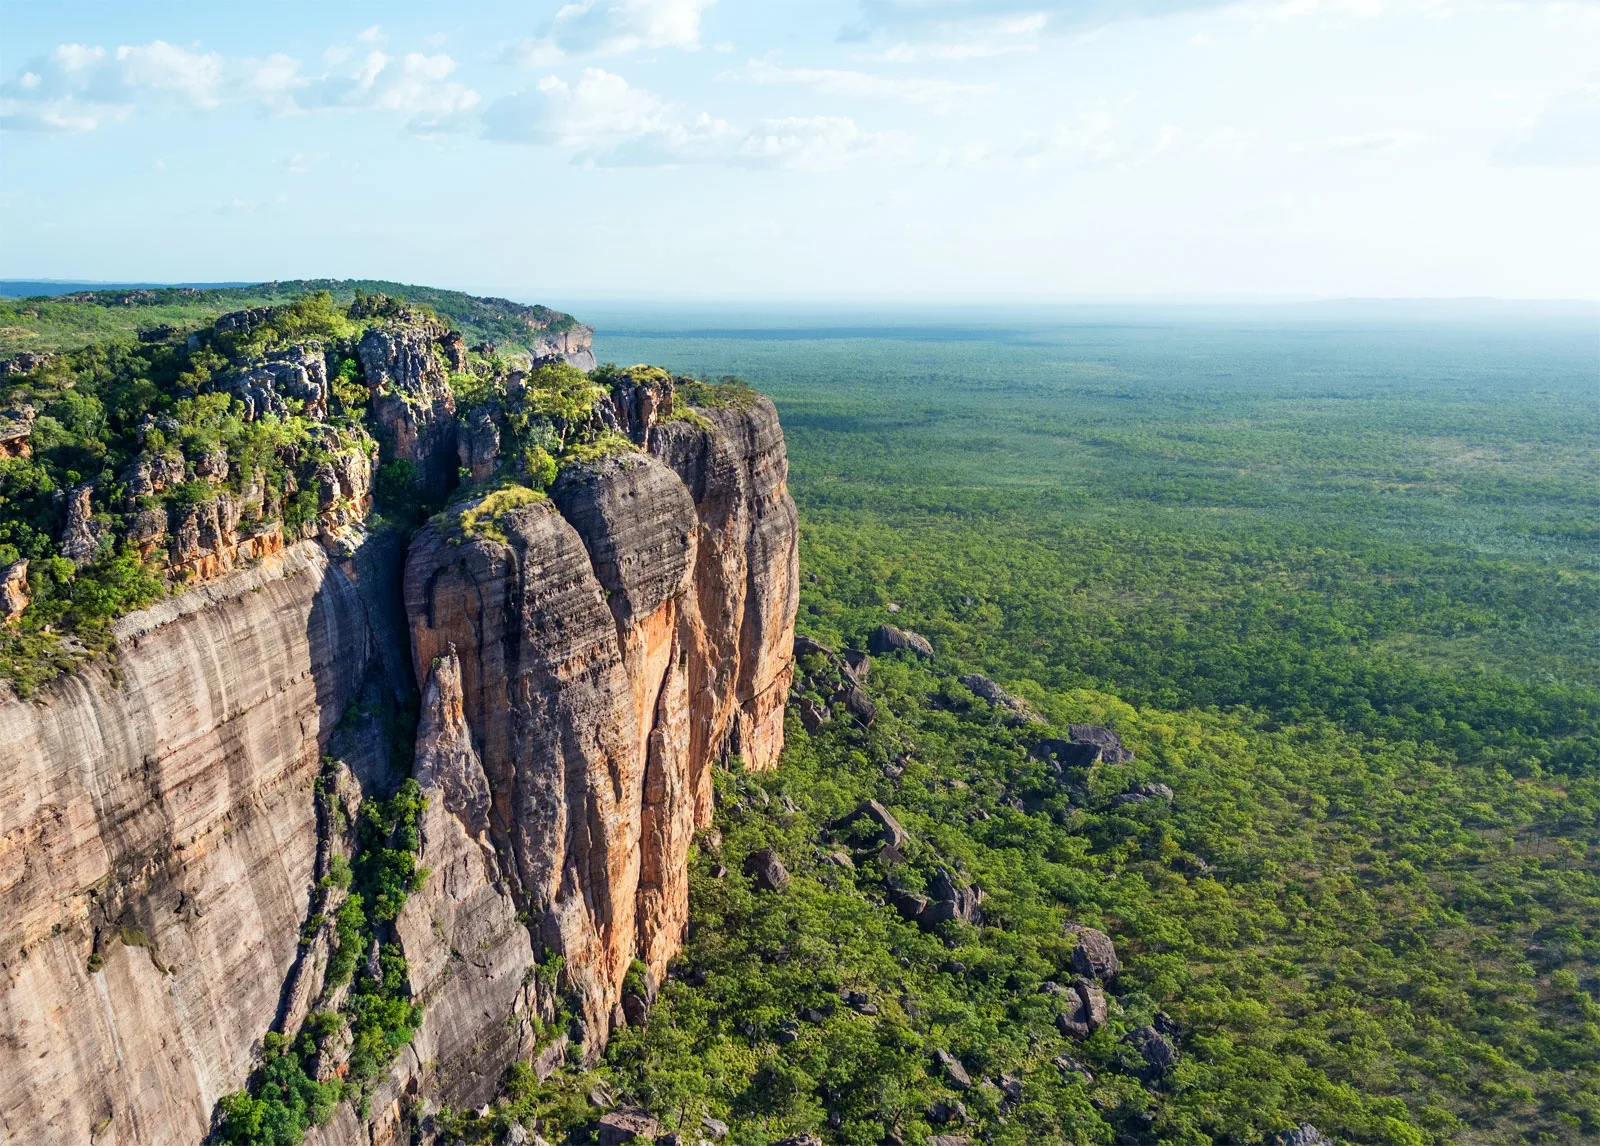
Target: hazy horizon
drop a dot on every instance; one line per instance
(884, 149)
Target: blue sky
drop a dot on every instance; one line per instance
(842, 149)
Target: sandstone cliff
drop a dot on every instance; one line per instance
(169, 820)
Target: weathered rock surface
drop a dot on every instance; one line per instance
(16, 428)
(411, 397)
(1303, 1135)
(890, 639)
(13, 590)
(767, 870)
(167, 799)
(1095, 956)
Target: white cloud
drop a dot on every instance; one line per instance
(78, 87)
(1565, 134)
(978, 40)
(1097, 137)
(600, 107)
(613, 28)
(1376, 141)
(413, 84)
(940, 95)
(607, 122)
(812, 143)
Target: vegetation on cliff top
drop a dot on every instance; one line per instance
(131, 467)
(61, 322)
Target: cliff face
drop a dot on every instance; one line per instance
(156, 818)
(582, 663)
(614, 642)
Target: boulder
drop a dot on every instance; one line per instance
(1065, 754)
(478, 444)
(889, 639)
(954, 1072)
(714, 1126)
(1095, 956)
(630, 1125)
(1109, 743)
(911, 906)
(1086, 1012)
(804, 645)
(1016, 710)
(767, 870)
(859, 704)
(799, 1140)
(1069, 1066)
(1303, 1135)
(812, 715)
(858, 663)
(1157, 1054)
(890, 831)
(549, 1058)
(951, 902)
(949, 1140)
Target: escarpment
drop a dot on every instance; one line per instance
(519, 703)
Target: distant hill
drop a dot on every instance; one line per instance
(58, 315)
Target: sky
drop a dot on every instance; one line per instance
(947, 150)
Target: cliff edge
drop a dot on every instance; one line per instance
(448, 777)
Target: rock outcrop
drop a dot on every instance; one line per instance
(170, 818)
(613, 642)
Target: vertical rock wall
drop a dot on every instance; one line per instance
(614, 642)
(156, 816)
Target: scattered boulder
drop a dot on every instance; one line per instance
(1095, 956)
(890, 831)
(1303, 1135)
(858, 704)
(949, 1140)
(767, 870)
(858, 663)
(714, 1126)
(1109, 743)
(1016, 709)
(549, 1058)
(1086, 1013)
(812, 715)
(622, 1126)
(953, 1070)
(889, 639)
(14, 590)
(1159, 1056)
(799, 1140)
(1011, 1087)
(25, 363)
